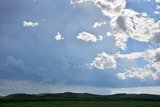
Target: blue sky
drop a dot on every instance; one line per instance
(95, 46)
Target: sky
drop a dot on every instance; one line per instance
(94, 46)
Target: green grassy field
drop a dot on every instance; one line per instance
(82, 104)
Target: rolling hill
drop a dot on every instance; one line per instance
(81, 96)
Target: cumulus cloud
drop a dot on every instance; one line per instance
(157, 57)
(109, 34)
(131, 56)
(79, 1)
(85, 36)
(131, 24)
(152, 70)
(127, 23)
(58, 37)
(104, 61)
(149, 71)
(98, 24)
(157, 1)
(148, 55)
(158, 7)
(156, 12)
(156, 38)
(111, 8)
(30, 24)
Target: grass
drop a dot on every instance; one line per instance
(82, 104)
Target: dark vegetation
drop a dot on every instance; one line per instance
(68, 96)
(80, 100)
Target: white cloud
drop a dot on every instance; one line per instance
(149, 71)
(134, 72)
(152, 70)
(98, 24)
(131, 24)
(144, 14)
(158, 7)
(111, 8)
(79, 1)
(30, 24)
(104, 61)
(149, 55)
(100, 37)
(109, 34)
(156, 38)
(131, 56)
(156, 12)
(85, 36)
(157, 1)
(58, 37)
(127, 23)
